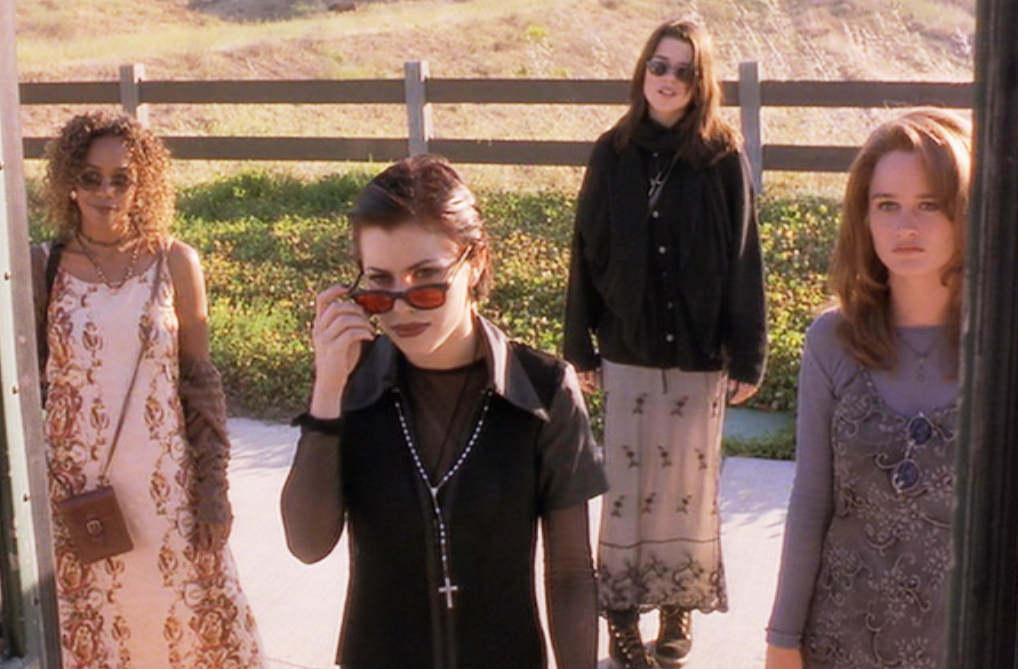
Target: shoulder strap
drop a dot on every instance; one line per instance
(51, 251)
(56, 249)
(134, 376)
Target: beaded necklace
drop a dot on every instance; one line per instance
(448, 587)
(135, 252)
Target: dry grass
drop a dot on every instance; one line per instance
(286, 39)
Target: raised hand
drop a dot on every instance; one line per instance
(340, 328)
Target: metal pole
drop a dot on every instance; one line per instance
(27, 571)
(984, 630)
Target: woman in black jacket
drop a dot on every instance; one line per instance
(439, 445)
(666, 277)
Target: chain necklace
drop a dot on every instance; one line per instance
(448, 588)
(658, 180)
(116, 242)
(921, 356)
(135, 252)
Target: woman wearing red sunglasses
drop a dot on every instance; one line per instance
(439, 445)
(666, 309)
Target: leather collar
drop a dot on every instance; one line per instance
(377, 372)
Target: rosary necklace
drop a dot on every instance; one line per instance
(921, 356)
(448, 588)
(135, 251)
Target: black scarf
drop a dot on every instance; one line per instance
(656, 138)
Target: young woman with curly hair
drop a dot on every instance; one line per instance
(133, 403)
(867, 553)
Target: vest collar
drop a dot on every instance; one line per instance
(377, 373)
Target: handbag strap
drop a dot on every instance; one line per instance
(134, 375)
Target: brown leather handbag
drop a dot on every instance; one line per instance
(96, 525)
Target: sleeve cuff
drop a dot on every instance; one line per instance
(309, 423)
(784, 639)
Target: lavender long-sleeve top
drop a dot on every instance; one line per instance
(826, 371)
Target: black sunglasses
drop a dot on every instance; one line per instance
(429, 296)
(93, 181)
(684, 72)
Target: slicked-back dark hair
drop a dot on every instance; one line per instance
(428, 192)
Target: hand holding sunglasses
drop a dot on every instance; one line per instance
(339, 330)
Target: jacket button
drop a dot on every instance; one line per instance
(669, 338)
(655, 214)
(662, 250)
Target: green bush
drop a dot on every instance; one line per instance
(269, 243)
(797, 237)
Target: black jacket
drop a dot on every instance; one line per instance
(681, 286)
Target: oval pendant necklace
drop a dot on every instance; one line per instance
(921, 355)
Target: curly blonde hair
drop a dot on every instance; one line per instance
(152, 207)
(858, 279)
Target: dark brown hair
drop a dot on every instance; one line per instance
(428, 192)
(858, 279)
(705, 135)
(151, 209)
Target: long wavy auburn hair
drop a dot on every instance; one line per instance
(858, 279)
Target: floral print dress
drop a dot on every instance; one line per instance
(165, 603)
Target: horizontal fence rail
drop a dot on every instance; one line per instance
(417, 92)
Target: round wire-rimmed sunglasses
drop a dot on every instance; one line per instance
(428, 296)
(684, 72)
(91, 182)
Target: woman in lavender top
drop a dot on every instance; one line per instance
(867, 552)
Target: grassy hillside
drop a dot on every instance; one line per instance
(292, 39)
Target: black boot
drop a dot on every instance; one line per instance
(675, 636)
(626, 645)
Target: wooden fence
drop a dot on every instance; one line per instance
(418, 92)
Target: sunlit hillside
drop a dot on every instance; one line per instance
(927, 40)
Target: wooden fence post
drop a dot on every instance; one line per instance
(749, 113)
(417, 107)
(130, 92)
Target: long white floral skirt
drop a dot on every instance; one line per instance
(660, 538)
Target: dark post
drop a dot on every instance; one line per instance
(985, 605)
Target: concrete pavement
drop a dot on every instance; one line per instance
(299, 606)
